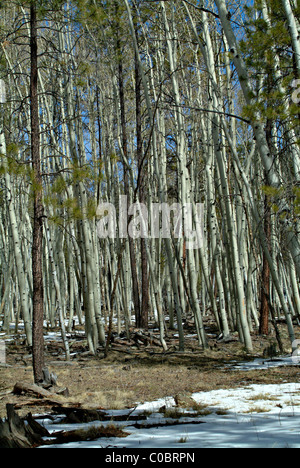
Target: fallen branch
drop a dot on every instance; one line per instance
(164, 424)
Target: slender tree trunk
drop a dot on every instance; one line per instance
(37, 242)
(135, 284)
(16, 241)
(144, 312)
(294, 32)
(258, 128)
(265, 281)
(265, 287)
(58, 291)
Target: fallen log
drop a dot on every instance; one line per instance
(21, 388)
(40, 393)
(137, 338)
(147, 339)
(75, 415)
(25, 388)
(38, 402)
(121, 349)
(120, 341)
(84, 415)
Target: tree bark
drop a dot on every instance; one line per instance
(293, 32)
(16, 432)
(37, 242)
(265, 287)
(144, 311)
(258, 128)
(135, 284)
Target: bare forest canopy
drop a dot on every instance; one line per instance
(185, 102)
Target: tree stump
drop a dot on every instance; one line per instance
(16, 432)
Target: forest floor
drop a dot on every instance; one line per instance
(135, 374)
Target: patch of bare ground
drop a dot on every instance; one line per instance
(136, 374)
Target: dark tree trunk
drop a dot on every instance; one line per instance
(265, 287)
(135, 284)
(37, 240)
(144, 313)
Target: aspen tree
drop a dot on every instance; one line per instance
(161, 183)
(257, 126)
(168, 95)
(184, 196)
(294, 32)
(16, 243)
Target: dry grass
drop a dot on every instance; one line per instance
(110, 399)
(123, 380)
(91, 433)
(263, 396)
(174, 413)
(258, 409)
(183, 440)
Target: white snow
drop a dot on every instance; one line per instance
(260, 363)
(259, 416)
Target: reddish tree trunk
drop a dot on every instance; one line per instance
(142, 321)
(265, 287)
(37, 239)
